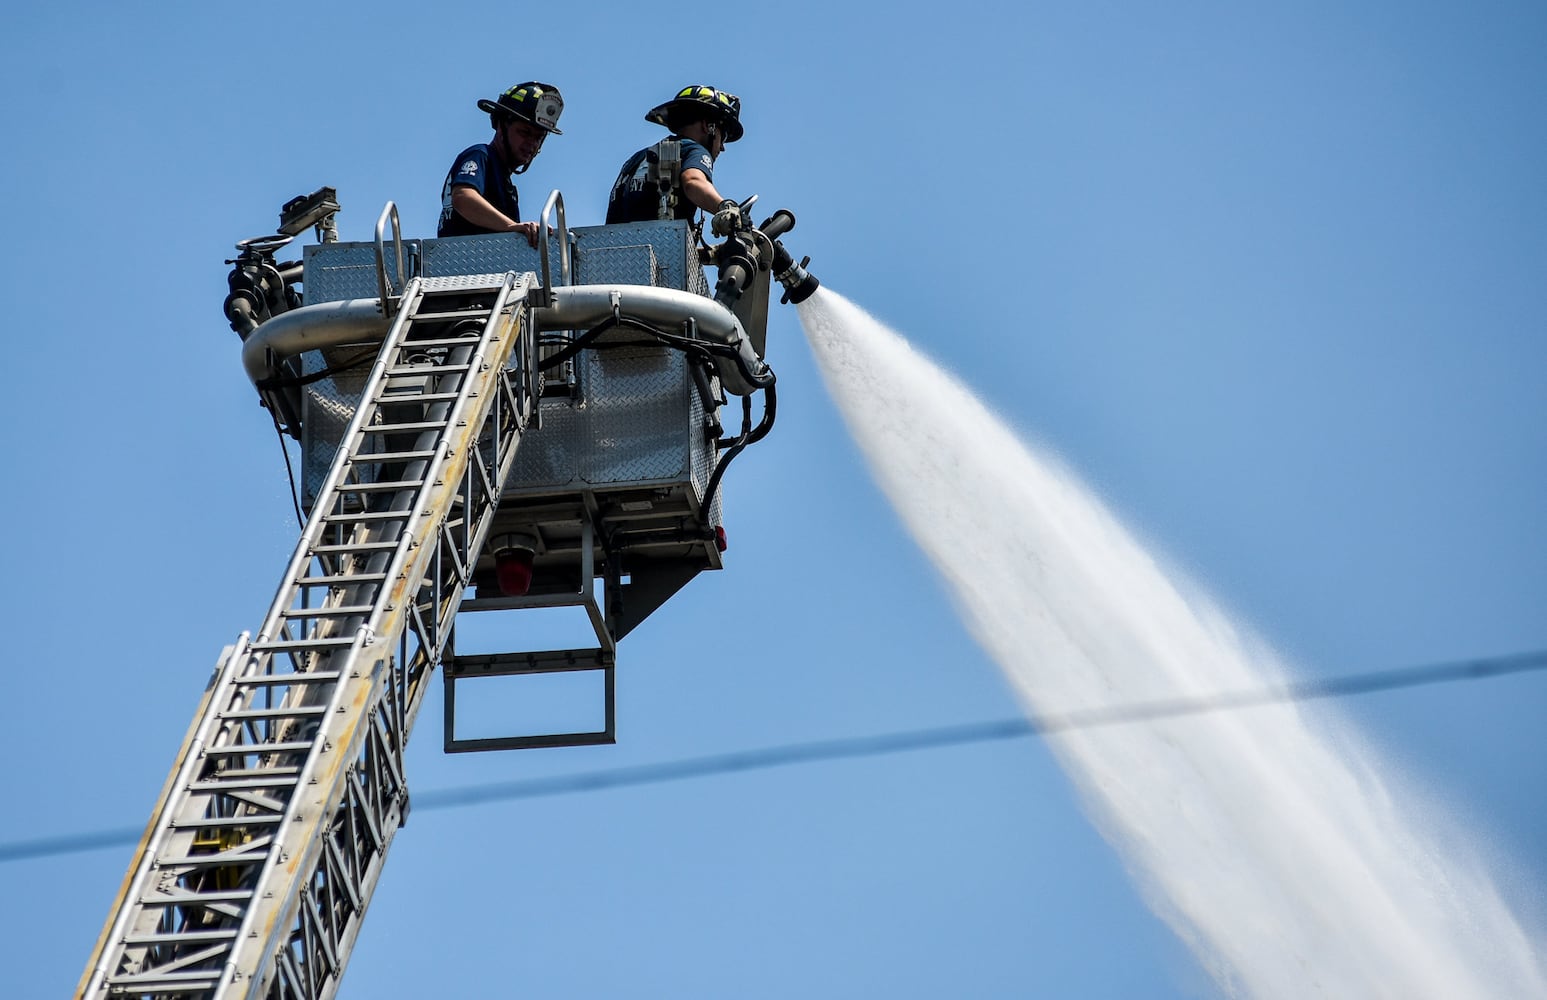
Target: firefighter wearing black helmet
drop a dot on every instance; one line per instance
(479, 195)
(702, 121)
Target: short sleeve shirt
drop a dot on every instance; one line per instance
(478, 167)
(635, 199)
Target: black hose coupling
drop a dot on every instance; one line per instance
(799, 283)
(738, 261)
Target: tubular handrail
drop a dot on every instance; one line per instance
(381, 255)
(555, 199)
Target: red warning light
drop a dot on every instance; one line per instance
(513, 568)
(719, 538)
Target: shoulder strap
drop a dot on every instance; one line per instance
(666, 172)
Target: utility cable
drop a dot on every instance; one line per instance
(886, 743)
(284, 449)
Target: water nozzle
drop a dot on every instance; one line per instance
(799, 283)
(779, 223)
(744, 254)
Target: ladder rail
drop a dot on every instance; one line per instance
(289, 941)
(414, 505)
(157, 829)
(414, 670)
(316, 525)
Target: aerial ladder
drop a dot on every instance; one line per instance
(419, 401)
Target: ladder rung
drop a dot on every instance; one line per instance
(415, 343)
(340, 581)
(242, 749)
(276, 774)
(249, 782)
(473, 312)
(166, 983)
(426, 397)
(303, 645)
(367, 517)
(328, 550)
(224, 822)
(386, 487)
(187, 937)
(245, 854)
(164, 897)
(390, 456)
(294, 712)
(424, 369)
(421, 425)
(342, 611)
(308, 677)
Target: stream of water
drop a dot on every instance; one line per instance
(1270, 840)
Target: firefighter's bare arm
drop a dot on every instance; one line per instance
(475, 208)
(700, 190)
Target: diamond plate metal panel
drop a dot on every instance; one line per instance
(631, 428)
(327, 407)
(337, 271)
(672, 242)
(701, 448)
(639, 422)
(625, 265)
(494, 253)
(455, 282)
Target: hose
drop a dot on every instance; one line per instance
(348, 364)
(689, 346)
(749, 435)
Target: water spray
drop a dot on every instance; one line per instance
(1292, 864)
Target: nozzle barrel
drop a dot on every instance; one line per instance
(778, 224)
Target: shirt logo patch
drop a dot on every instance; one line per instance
(470, 167)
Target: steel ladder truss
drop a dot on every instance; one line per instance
(261, 856)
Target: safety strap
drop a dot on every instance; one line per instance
(665, 172)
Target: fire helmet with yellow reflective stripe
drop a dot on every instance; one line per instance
(694, 103)
(538, 103)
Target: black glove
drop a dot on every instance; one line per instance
(727, 218)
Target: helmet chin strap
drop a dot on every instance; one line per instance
(505, 150)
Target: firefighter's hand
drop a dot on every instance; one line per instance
(727, 218)
(527, 229)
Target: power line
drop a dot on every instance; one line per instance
(888, 743)
(1301, 690)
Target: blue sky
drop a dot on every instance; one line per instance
(1268, 277)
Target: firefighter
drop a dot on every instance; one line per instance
(479, 195)
(702, 121)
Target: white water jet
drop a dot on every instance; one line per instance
(1282, 856)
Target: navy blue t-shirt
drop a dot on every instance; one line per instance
(478, 167)
(635, 199)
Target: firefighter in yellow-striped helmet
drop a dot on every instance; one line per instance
(702, 120)
(700, 103)
(478, 195)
